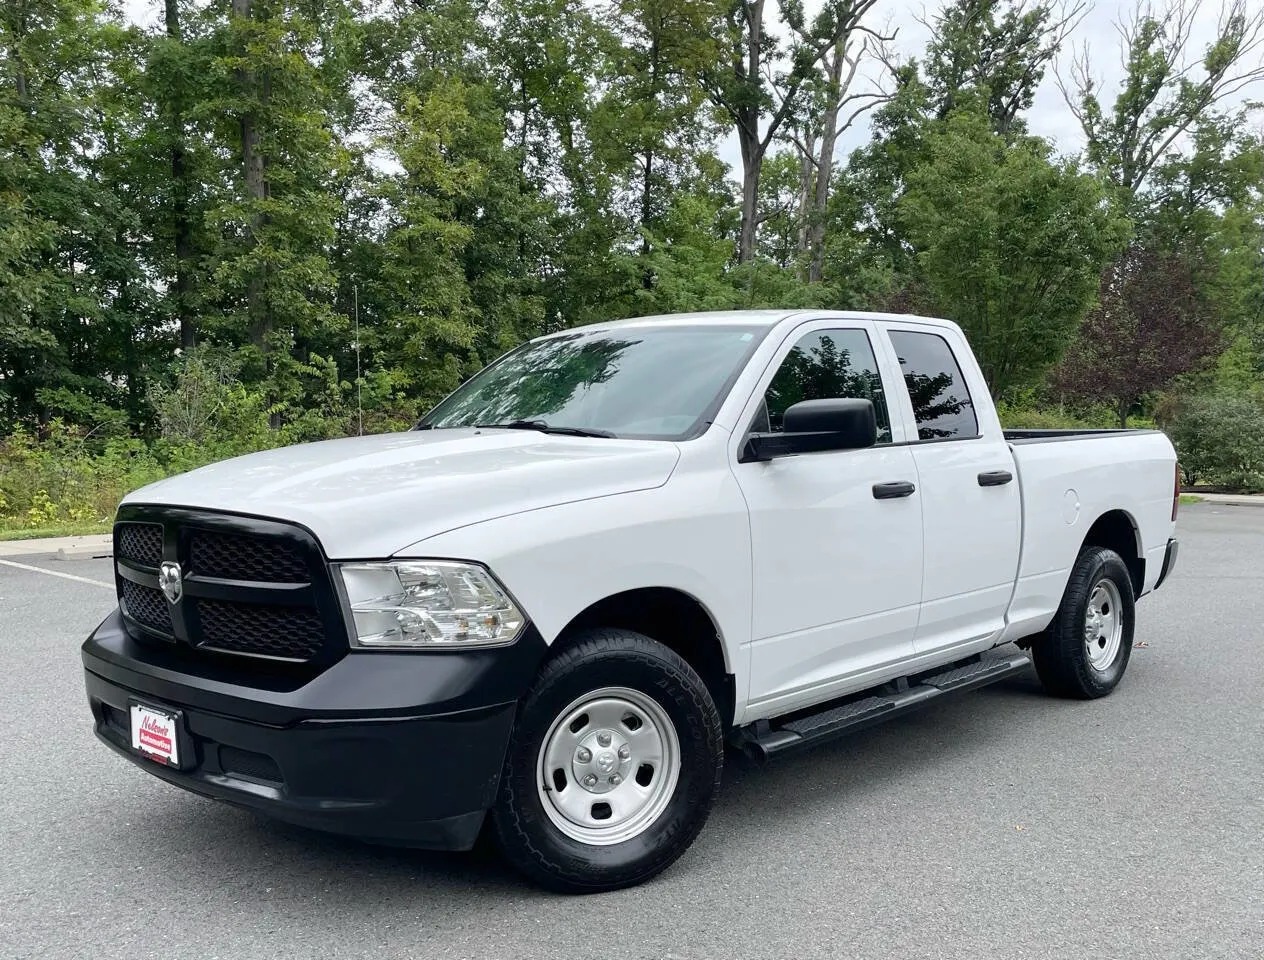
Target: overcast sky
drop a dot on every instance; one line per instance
(1048, 117)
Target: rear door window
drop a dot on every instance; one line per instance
(941, 400)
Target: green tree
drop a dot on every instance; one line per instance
(74, 305)
(985, 56)
(757, 80)
(1167, 89)
(270, 286)
(1149, 327)
(1008, 243)
(173, 83)
(651, 124)
(996, 51)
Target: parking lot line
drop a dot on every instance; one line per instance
(56, 573)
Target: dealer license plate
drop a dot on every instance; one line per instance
(154, 734)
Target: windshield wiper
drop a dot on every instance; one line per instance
(544, 427)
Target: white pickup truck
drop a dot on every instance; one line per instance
(601, 559)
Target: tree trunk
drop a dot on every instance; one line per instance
(748, 133)
(647, 180)
(807, 180)
(19, 68)
(752, 161)
(256, 190)
(825, 163)
(19, 74)
(647, 278)
(1124, 405)
(182, 228)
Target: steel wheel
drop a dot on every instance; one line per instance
(1084, 651)
(608, 766)
(1103, 624)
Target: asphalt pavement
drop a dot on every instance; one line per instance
(1000, 823)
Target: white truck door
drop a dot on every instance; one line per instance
(971, 510)
(836, 570)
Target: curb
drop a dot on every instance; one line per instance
(1230, 499)
(60, 548)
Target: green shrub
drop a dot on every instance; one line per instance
(1026, 412)
(205, 404)
(68, 476)
(1015, 417)
(1220, 441)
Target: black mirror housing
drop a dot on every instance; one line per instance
(853, 420)
(812, 426)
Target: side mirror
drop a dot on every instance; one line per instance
(812, 426)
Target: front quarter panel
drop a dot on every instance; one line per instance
(691, 535)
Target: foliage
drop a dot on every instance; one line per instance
(1018, 417)
(1009, 244)
(1220, 440)
(206, 400)
(1027, 411)
(61, 478)
(1167, 88)
(996, 51)
(261, 221)
(1148, 328)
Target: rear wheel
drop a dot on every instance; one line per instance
(1085, 650)
(614, 761)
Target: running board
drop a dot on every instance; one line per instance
(767, 739)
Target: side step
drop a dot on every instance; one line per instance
(889, 700)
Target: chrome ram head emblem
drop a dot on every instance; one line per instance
(170, 579)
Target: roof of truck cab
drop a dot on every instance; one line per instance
(753, 318)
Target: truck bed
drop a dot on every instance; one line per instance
(1129, 474)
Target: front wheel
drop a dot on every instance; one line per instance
(614, 762)
(1084, 652)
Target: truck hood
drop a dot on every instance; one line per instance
(367, 497)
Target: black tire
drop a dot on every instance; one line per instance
(1061, 654)
(608, 658)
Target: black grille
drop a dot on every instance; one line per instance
(247, 763)
(245, 558)
(139, 542)
(250, 587)
(295, 633)
(147, 606)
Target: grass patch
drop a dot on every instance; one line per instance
(56, 530)
(1190, 498)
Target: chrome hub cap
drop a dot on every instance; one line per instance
(608, 766)
(1103, 625)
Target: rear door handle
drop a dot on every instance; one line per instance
(893, 490)
(995, 478)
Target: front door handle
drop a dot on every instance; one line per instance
(995, 478)
(893, 490)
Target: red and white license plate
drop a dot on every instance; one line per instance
(154, 734)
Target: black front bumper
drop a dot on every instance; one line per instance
(402, 748)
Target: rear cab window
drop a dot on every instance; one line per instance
(936, 387)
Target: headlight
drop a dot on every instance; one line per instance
(428, 603)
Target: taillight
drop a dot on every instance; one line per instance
(1176, 493)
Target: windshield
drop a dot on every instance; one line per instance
(652, 383)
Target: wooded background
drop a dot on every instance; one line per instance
(265, 221)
